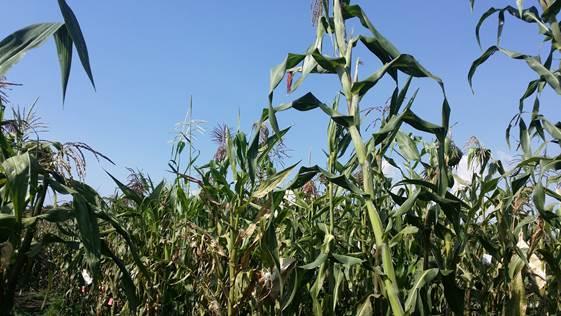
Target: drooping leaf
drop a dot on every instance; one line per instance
(127, 191)
(377, 44)
(532, 61)
(524, 139)
(73, 27)
(501, 26)
(316, 263)
(64, 45)
(14, 47)
(407, 204)
(488, 53)
(404, 63)
(347, 260)
(89, 230)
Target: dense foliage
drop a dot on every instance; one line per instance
(245, 234)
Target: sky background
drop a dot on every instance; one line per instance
(149, 57)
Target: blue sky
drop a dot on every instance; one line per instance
(148, 57)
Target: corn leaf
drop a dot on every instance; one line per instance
(71, 23)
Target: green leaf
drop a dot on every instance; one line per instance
(404, 63)
(340, 34)
(389, 129)
(529, 15)
(553, 194)
(377, 44)
(339, 276)
(424, 278)
(329, 64)
(127, 191)
(524, 139)
(407, 205)
(252, 153)
(18, 172)
(63, 43)
(489, 185)
(492, 250)
(531, 89)
(89, 230)
(270, 184)
(58, 215)
(316, 263)
(539, 198)
(309, 102)
(71, 23)
(553, 130)
(347, 260)
(501, 25)
(488, 53)
(532, 61)
(14, 47)
(397, 102)
(418, 123)
(484, 16)
(265, 149)
(407, 230)
(407, 146)
(277, 74)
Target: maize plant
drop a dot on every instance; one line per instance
(31, 168)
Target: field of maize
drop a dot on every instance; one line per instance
(246, 234)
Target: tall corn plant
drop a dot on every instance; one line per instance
(31, 168)
(369, 152)
(528, 223)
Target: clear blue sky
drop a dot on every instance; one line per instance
(149, 56)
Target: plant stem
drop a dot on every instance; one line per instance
(374, 216)
(231, 262)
